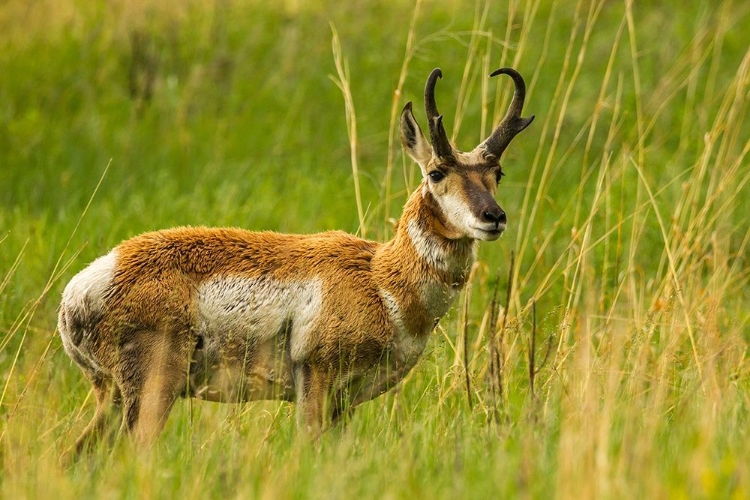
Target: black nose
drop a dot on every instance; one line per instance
(494, 214)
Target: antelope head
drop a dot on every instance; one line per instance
(460, 187)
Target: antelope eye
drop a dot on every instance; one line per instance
(436, 176)
(499, 175)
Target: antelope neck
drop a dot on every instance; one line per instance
(420, 254)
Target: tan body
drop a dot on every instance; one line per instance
(326, 320)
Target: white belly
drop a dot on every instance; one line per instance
(251, 329)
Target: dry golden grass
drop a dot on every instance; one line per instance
(627, 198)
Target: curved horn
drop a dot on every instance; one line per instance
(512, 124)
(440, 144)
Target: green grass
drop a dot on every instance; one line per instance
(627, 202)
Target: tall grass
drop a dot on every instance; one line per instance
(610, 360)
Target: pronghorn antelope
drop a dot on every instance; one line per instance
(325, 320)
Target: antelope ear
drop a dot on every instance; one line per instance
(414, 140)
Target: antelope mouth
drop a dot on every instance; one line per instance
(490, 234)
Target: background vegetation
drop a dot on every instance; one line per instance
(627, 201)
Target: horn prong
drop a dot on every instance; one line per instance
(512, 124)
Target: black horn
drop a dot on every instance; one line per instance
(440, 144)
(512, 124)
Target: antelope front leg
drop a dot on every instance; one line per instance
(313, 390)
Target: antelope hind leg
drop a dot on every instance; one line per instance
(151, 385)
(106, 417)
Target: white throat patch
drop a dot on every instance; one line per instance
(430, 249)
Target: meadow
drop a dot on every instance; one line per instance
(601, 347)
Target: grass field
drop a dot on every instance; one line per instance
(627, 202)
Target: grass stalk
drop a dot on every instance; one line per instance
(342, 80)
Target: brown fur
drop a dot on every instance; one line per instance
(327, 320)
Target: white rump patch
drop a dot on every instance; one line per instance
(82, 303)
(85, 292)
